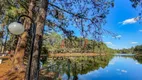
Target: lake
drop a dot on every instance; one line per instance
(118, 67)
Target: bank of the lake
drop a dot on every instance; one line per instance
(75, 54)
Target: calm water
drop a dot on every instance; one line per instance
(118, 67)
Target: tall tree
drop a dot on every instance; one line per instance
(63, 16)
(41, 17)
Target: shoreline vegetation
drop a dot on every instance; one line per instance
(82, 54)
(133, 50)
(75, 54)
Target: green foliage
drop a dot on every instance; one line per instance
(138, 49)
(51, 42)
(10, 10)
(54, 43)
(126, 51)
(11, 42)
(14, 12)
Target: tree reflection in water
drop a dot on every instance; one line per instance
(55, 68)
(72, 66)
(135, 57)
(138, 58)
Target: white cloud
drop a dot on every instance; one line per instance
(130, 21)
(118, 36)
(124, 71)
(137, 63)
(108, 43)
(134, 42)
(140, 30)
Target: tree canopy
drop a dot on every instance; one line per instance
(62, 16)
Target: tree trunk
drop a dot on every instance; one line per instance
(41, 17)
(18, 62)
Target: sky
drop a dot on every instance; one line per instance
(123, 20)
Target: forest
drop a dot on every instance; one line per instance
(55, 43)
(133, 50)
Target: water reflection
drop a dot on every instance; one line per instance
(133, 56)
(138, 58)
(72, 66)
(69, 68)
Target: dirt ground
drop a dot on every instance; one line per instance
(5, 67)
(5, 71)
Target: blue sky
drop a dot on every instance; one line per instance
(121, 21)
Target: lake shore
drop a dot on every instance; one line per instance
(74, 54)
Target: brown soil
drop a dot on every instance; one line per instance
(6, 72)
(4, 68)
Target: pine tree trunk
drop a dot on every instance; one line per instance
(18, 62)
(41, 17)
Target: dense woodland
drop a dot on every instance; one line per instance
(138, 49)
(55, 43)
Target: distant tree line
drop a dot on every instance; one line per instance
(135, 50)
(138, 49)
(54, 43)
